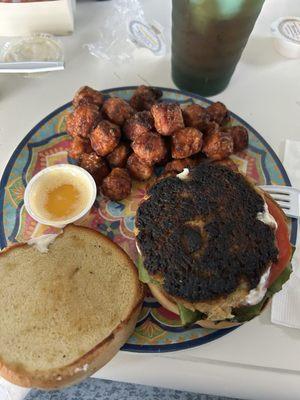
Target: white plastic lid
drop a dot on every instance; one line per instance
(286, 32)
(36, 47)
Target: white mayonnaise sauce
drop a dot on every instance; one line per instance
(42, 243)
(184, 174)
(257, 294)
(138, 248)
(267, 218)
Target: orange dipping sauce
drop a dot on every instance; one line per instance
(60, 194)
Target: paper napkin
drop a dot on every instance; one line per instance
(286, 304)
(8, 391)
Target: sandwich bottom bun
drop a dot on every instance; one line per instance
(169, 305)
(67, 312)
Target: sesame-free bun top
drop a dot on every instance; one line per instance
(65, 313)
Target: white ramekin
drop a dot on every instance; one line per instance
(286, 34)
(73, 170)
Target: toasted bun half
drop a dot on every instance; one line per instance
(67, 312)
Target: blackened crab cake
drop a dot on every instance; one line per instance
(208, 244)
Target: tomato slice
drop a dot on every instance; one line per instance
(282, 239)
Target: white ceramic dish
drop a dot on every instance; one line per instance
(69, 170)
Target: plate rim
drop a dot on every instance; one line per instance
(135, 347)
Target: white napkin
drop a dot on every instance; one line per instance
(8, 391)
(286, 304)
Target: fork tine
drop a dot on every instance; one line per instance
(276, 196)
(278, 193)
(280, 189)
(284, 205)
(286, 198)
(274, 188)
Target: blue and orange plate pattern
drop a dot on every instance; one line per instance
(47, 143)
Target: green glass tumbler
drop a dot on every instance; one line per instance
(208, 38)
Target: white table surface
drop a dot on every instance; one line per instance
(258, 360)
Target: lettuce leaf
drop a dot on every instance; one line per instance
(243, 314)
(144, 274)
(187, 316)
(280, 281)
(246, 313)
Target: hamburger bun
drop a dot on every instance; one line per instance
(67, 312)
(206, 240)
(167, 303)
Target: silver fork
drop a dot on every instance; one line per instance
(287, 197)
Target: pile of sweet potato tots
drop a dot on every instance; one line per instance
(117, 141)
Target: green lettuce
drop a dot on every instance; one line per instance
(144, 274)
(243, 314)
(187, 316)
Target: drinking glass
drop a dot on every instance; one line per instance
(208, 37)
